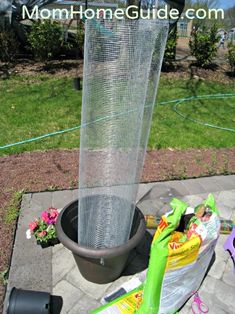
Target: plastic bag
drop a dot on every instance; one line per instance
(181, 252)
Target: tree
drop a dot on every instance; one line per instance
(206, 5)
(45, 39)
(203, 45)
(229, 18)
(231, 56)
(9, 45)
(171, 44)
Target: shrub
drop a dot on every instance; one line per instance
(79, 38)
(171, 43)
(203, 45)
(45, 39)
(9, 45)
(231, 56)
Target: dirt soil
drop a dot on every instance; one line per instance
(180, 69)
(188, 70)
(58, 169)
(27, 67)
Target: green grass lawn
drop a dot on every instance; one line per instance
(31, 107)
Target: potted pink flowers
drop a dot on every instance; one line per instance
(43, 228)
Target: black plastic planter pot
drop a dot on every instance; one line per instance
(49, 243)
(77, 83)
(28, 302)
(97, 265)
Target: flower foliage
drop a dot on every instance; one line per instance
(43, 228)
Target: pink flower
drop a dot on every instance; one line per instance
(50, 215)
(53, 213)
(41, 234)
(44, 216)
(33, 225)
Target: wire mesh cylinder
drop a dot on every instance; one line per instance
(121, 71)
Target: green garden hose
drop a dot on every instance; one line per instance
(177, 102)
(214, 96)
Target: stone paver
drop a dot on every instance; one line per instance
(62, 263)
(54, 270)
(186, 309)
(206, 292)
(179, 187)
(224, 296)
(210, 184)
(61, 198)
(218, 268)
(194, 200)
(219, 250)
(116, 284)
(233, 215)
(208, 299)
(150, 207)
(94, 290)
(227, 198)
(75, 194)
(84, 305)
(42, 200)
(225, 182)
(228, 276)
(70, 295)
(194, 186)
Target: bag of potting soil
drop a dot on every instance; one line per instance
(181, 252)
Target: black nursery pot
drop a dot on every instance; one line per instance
(97, 265)
(77, 83)
(28, 302)
(46, 244)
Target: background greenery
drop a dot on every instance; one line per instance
(32, 107)
(45, 39)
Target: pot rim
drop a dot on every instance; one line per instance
(99, 253)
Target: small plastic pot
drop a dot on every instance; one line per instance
(97, 265)
(28, 302)
(77, 83)
(49, 243)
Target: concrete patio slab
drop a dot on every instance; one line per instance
(54, 269)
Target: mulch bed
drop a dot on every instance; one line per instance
(181, 69)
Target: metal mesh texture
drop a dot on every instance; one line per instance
(121, 71)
